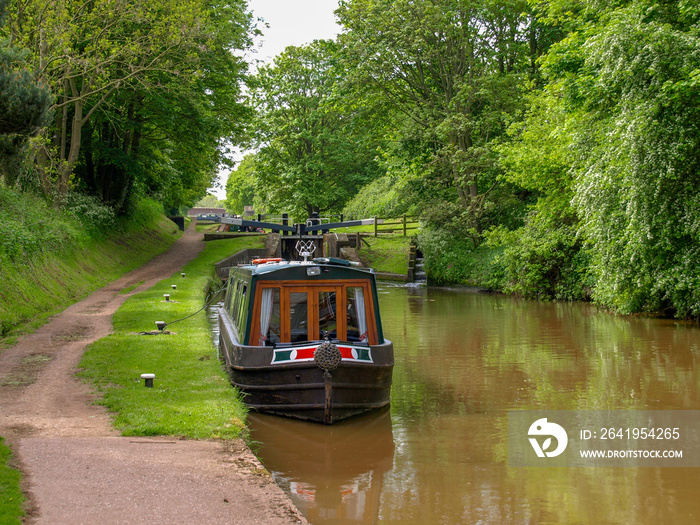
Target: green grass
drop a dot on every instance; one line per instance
(35, 289)
(206, 227)
(386, 254)
(11, 497)
(192, 396)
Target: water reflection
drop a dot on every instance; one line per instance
(333, 474)
(462, 361)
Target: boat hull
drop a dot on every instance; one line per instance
(299, 388)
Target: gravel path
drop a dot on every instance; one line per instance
(78, 469)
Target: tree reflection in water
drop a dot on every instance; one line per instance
(463, 360)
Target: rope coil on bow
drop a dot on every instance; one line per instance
(327, 357)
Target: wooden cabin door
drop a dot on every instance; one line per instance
(329, 321)
(313, 313)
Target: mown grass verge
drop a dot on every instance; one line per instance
(11, 497)
(206, 227)
(386, 254)
(191, 396)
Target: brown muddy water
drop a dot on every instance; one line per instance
(440, 453)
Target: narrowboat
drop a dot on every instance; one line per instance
(304, 339)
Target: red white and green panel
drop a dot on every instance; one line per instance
(306, 353)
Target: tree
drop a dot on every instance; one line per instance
(208, 201)
(24, 102)
(313, 155)
(545, 257)
(636, 184)
(112, 62)
(621, 156)
(454, 68)
(240, 186)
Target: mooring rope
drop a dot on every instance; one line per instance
(213, 298)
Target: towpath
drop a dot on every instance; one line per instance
(78, 469)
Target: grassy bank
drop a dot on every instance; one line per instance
(386, 253)
(206, 227)
(192, 396)
(35, 290)
(51, 258)
(11, 497)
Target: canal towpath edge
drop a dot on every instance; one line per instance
(76, 466)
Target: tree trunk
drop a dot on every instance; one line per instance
(42, 162)
(66, 168)
(466, 183)
(64, 119)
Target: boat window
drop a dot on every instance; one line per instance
(327, 319)
(298, 316)
(356, 316)
(269, 317)
(300, 313)
(231, 299)
(242, 308)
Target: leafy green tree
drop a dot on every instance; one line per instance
(384, 197)
(209, 201)
(545, 257)
(139, 83)
(24, 103)
(636, 186)
(187, 126)
(610, 146)
(240, 186)
(454, 69)
(313, 154)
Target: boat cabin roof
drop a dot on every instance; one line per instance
(326, 295)
(323, 268)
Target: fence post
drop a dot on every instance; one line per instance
(404, 225)
(375, 226)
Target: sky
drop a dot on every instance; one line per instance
(291, 23)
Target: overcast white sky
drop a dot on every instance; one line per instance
(291, 23)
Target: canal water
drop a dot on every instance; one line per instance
(439, 454)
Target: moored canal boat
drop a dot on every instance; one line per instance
(304, 339)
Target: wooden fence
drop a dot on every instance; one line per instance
(405, 223)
